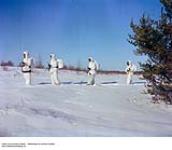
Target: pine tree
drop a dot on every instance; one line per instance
(153, 39)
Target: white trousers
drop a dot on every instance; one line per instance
(27, 77)
(91, 78)
(129, 78)
(54, 77)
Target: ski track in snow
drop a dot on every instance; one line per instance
(111, 108)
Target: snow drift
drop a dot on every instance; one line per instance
(111, 108)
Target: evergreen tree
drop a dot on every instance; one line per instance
(153, 39)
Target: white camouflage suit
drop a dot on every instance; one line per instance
(26, 68)
(92, 70)
(130, 71)
(53, 70)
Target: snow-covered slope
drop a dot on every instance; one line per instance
(110, 108)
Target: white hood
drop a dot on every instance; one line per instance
(52, 56)
(129, 62)
(90, 58)
(26, 55)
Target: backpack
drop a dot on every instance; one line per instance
(60, 63)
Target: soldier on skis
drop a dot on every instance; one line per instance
(53, 67)
(26, 67)
(92, 70)
(130, 71)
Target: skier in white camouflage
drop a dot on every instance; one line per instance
(26, 67)
(92, 70)
(130, 71)
(54, 65)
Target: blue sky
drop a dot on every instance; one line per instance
(73, 29)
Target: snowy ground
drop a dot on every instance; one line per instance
(74, 109)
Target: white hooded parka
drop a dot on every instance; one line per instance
(130, 71)
(53, 69)
(26, 68)
(92, 70)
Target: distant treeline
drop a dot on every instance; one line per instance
(7, 63)
(70, 67)
(73, 68)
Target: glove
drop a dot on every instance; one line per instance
(88, 68)
(49, 66)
